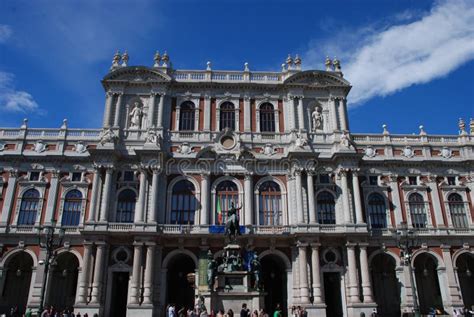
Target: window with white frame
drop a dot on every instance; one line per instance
(326, 208)
(457, 211)
(270, 204)
(183, 203)
(227, 116)
(127, 200)
(72, 208)
(187, 114)
(377, 211)
(417, 208)
(29, 207)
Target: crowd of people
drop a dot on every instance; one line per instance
(201, 311)
(48, 311)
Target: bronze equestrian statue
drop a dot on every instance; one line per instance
(232, 228)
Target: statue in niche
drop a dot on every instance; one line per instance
(317, 118)
(136, 116)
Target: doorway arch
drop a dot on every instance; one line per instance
(63, 281)
(465, 270)
(427, 282)
(386, 287)
(180, 281)
(19, 269)
(274, 276)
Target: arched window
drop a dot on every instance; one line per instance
(269, 204)
(29, 207)
(457, 211)
(227, 116)
(126, 206)
(377, 211)
(417, 210)
(326, 208)
(183, 203)
(227, 193)
(267, 118)
(186, 116)
(72, 208)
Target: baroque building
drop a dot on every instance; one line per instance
(342, 222)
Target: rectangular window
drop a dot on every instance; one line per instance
(76, 177)
(128, 176)
(373, 180)
(451, 180)
(324, 179)
(34, 176)
(412, 180)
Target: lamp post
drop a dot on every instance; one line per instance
(406, 241)
(50, 242)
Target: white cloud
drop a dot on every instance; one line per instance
(381, 61)
(14, 100)
(5, 32)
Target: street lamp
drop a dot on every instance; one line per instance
(50, 242)
(406, 242)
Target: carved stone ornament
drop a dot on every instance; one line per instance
(40, 146)
(80, 147)
(185, 148)
(446, 152)
(370, 151)
(2, 146)
(344, 139)
(268, 150)
(107, 136)
(300, 141)
(408, 152)
(152, 138)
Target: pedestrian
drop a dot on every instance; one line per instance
(244, 312)
(254, 313)
(277, 312)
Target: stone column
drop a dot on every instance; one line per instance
(148, 283)
(304, 292)
(141, 203)
(248, 199)
(396, 201)
(118, 110)
(333, 110)
(438, 211)
(454, 292)
(151, 110)
(290, 108)
(92, 217)
(161, 110)
(342, 114)
(364, 272)
(154, 195)
(299, 197)
(104, 207)
(205, 199)
(134, 296)
(207, 113)
(352, 270)
(345, 196)
(98, 273)
(311, 201)
(316, 273)
(300, 114)
(247, 114)
(52, 198)
(357, 200)
(108, 108)
(84, 281)
(9, 198)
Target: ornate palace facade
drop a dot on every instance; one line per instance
(342, 223)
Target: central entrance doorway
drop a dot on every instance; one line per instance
(332, 294)
(180, 282)
(274, 283)
(118, 304)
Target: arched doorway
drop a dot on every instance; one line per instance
(63, 281)
(427, 283)
(274, 283)
(386, 288)
(180, 281)
(465, 268)
(17, 283)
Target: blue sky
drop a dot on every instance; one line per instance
(410, 62)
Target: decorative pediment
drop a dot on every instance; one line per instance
(316, 78)
(137, 75)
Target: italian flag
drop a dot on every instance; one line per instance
(219, 211)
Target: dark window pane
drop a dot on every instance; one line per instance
(267, 118)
